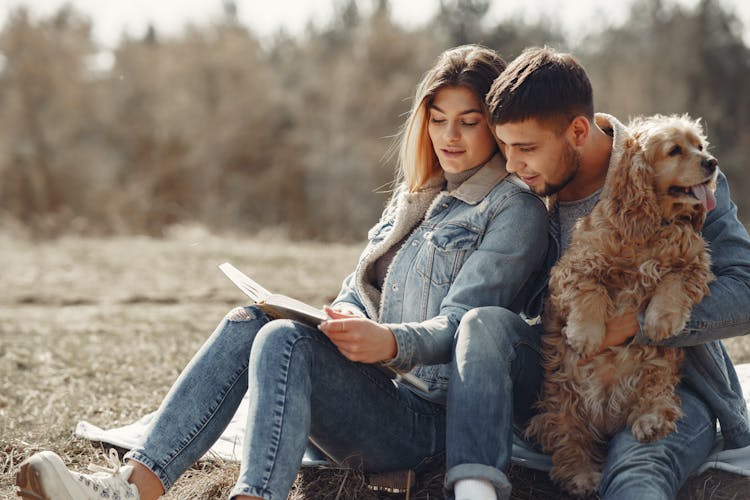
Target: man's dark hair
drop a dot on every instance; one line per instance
(544, 85)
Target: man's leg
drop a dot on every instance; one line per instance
(495, 379)
(656, 471)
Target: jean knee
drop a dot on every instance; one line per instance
(490, 330)
(284, 336)
(244, 313)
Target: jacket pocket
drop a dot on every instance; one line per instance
(445, 249)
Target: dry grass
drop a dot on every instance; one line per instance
(98, 329)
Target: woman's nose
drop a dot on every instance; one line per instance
(452, 132)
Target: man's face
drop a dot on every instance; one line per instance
(539, 155)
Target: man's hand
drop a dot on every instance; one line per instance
(359, 339)
(620, 329)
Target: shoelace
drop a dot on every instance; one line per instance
(113, 459)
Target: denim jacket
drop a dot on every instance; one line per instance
(479, 245)
(724, 313)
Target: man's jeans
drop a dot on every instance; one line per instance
(505, 354)
(299, 386)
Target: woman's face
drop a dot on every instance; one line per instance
(458, 130)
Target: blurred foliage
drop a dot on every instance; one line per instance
(220, 127)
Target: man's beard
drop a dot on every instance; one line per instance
(570, 160)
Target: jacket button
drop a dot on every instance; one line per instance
(414, 243)
(394, 287)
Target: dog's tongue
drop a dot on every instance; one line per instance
(705, 196)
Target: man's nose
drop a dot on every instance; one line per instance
(512, 165)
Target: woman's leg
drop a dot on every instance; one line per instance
(302, 386)
(191, 418)
(200, 404)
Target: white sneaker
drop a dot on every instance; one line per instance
(44, 476)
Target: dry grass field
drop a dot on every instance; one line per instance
(98, 329)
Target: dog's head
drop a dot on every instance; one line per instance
(664, 175)
(684, 172)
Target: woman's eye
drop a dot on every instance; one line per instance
(437, 120)
(676, 150)
(470, 124)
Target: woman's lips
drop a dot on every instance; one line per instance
(453, 153)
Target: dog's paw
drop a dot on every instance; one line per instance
(652, 427)
(585, 483)
(585, 337)
(660, 323)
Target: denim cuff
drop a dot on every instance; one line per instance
(479, 471)
(404, 349)
(166, 481)
(250, 491)
(641, 338)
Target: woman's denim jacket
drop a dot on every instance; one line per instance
(479, 245)
(724, 313)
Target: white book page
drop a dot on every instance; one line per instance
(251, 288)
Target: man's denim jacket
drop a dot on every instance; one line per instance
(724, 313)
(479, 245)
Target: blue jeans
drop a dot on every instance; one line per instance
(497, 360)
(494, 382)
(656, 471)
(299, 385)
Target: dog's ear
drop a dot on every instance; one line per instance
(630, 195)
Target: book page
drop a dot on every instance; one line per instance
(251, 288)
(286, 307)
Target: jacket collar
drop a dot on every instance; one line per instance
(478, 186)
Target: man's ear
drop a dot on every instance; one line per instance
(578, 130)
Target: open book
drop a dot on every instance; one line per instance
(280, 306)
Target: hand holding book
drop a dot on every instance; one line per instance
(280, 306)
(359, 339)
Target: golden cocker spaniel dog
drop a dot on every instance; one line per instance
(640, 248)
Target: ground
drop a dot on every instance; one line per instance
(97, 329)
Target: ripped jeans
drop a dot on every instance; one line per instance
(298, 385)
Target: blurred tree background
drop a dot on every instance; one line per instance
(219, 127)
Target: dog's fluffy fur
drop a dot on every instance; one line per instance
(639, 248)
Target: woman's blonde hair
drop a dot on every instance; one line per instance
(471, 66)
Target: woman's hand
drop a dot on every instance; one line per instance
(359, 339)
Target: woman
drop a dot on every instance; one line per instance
(448, 241)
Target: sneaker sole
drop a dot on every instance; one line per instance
(29, 487)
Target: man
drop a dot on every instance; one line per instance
(541, 110)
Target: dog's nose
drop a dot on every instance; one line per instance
(709, 164)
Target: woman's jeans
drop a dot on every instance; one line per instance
(299, 385)
(498, 347)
